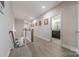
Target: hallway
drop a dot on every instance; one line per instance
(54, 26)
(40, 48)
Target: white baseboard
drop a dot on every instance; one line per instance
(70, 48)
(42, 37)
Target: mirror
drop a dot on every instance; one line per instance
(56, 23)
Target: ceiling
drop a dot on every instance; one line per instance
(28, 10)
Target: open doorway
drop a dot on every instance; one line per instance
(56, 29)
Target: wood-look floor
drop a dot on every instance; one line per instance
(42, 48)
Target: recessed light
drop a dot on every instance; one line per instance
(43, 7)
(34, 21)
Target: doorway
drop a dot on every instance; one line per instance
(56, 29)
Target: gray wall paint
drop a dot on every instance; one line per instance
(6, 24)
(19, 26)
(69, 24)
(68, 10)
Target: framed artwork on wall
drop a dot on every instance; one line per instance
(36, 24)
(40, 23)
(46, 21)
(32, 25)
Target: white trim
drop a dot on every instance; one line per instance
(42, 37)
(70, 48)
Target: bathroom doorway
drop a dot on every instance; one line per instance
(56, 29)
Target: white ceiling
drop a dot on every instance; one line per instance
(23, 10)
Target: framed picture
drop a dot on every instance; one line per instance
(40, 23)
(2, 7)
(46, 21)
(32, 25)
(36, 24)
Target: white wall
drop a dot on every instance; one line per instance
(6, 24)
(19, 26)
(20, 32)
(43, 31)
(68, 10)
(69, 25)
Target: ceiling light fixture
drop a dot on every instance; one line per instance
(43, 7)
